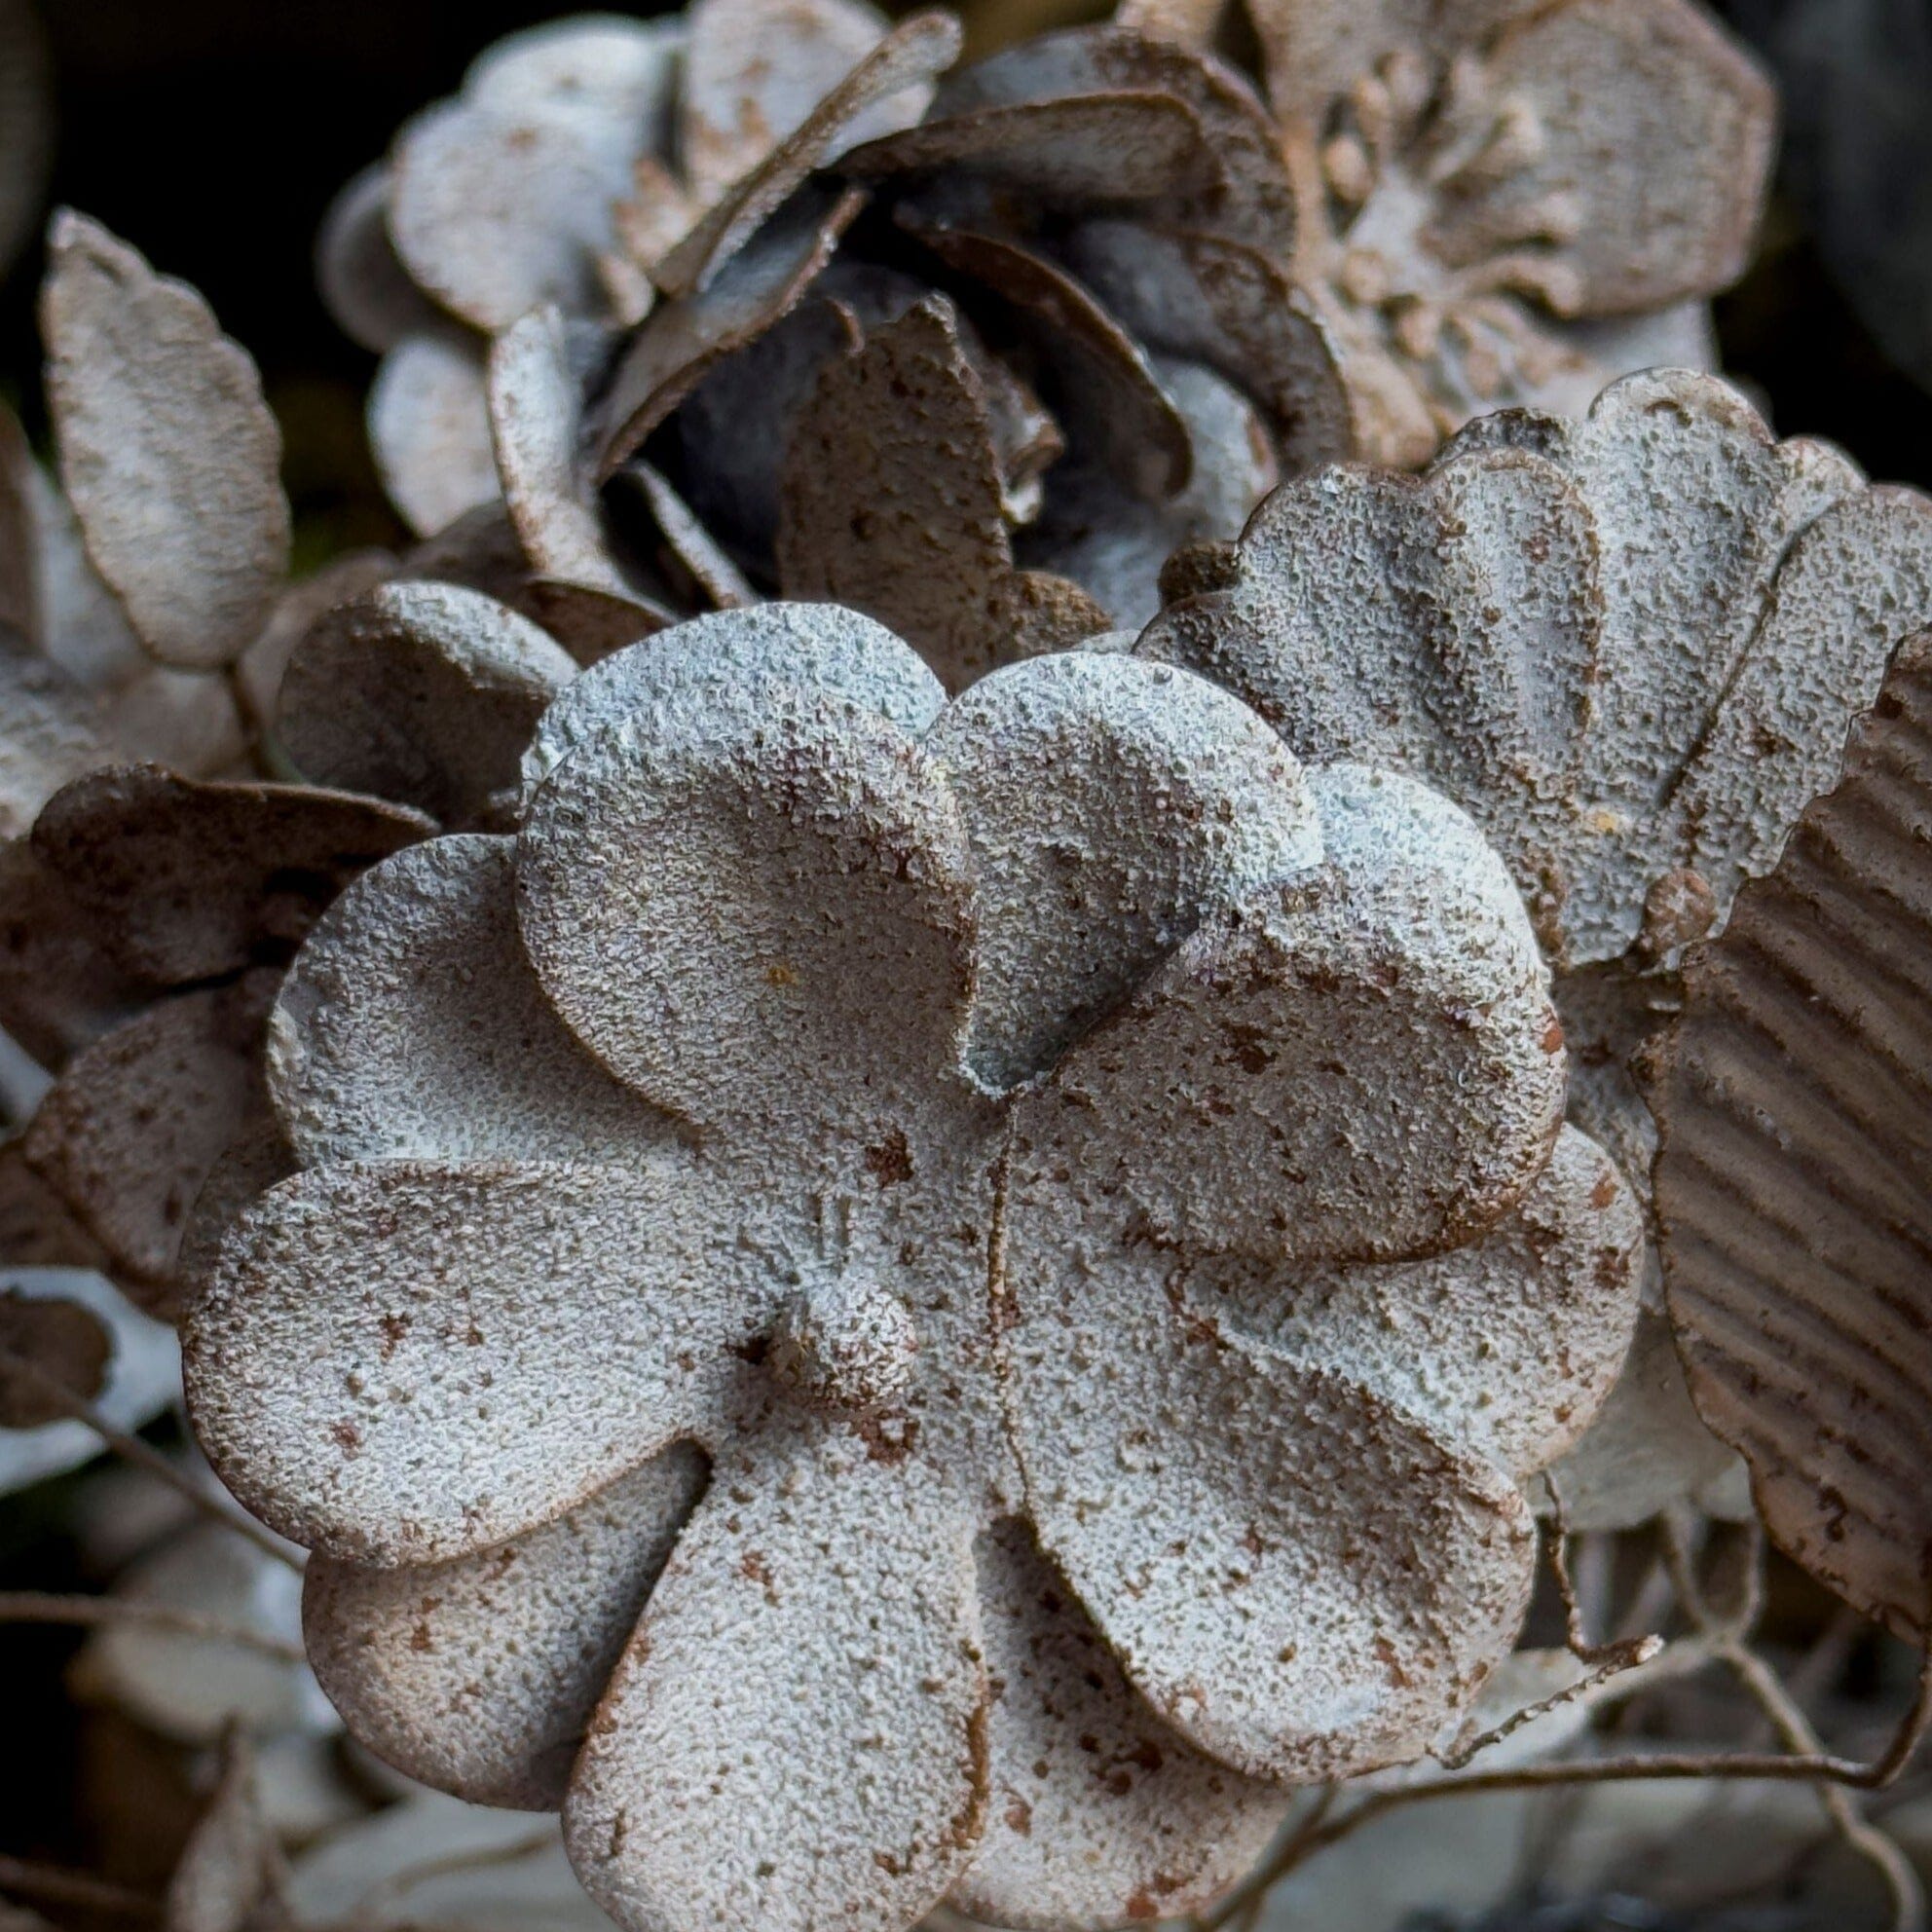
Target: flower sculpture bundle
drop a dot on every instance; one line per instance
(975, 351)
(893, 1299)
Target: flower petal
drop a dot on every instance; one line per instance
(1098, 1814)
(411, 1026)
(888, 86)
(905, 425)
(1110, 804)
(428, 420)
(705, 663)
(737, 103)
(1653, 127)
(183, 880)
(795, 955)
(412, 1360)
(796, 1737)
(1305, 1579)
(1362, 1067)
(127, 1133)
(426, 693)
(1508, 1345)
(479, 1676)
(167, 450)
(503, 199)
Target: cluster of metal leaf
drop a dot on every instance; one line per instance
(977, 350)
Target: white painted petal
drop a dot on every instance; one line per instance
(411, 1026)
(479, 1676)
(410, 1362)
(755, 909)
(429, 429)
(1508, 1345)
(1302, 1577)
(167, 450)
(796, 1739)
(1110, 805)
(697, 666)
(1361, 1067)
(1098, 1813)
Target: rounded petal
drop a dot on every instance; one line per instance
(1655, 131)
(504, 197)
(411, 1026)
(756, 907)
(167, 450)
(1508, 1345)
(797, 1736)
(410, 1362)
(1364, 1067)
(364, 286)
(704, 663)
(479, 1676)
(426, 693)
(1110, 805)
(1305, 1579)
(430, 430)
(184, 880)
(129, 1134)
(1098, 1813)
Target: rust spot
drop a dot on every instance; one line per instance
(890, 1163)
(347, 1437)
(1020, 1818)
(1604, 1193)
(395, 1328)
(1552, 1037)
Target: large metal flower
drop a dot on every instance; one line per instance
(896, 1300)
(1631, 646)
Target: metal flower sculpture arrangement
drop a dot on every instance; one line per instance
(1117, 896)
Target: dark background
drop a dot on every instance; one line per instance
(211, 134)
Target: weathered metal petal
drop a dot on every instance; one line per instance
(168, 451)
(480, 1675)
(809, 871)
(411, 1362)
(1302, 1577)
(712, 660)
(535, 396)
(892, 501)
(411, 1026)
(129, 1132)
(365, 286)
(504, 197)
(805, 1697)
(1360, 1066)
(680, 341)
(1507, 1346)
(738, 99)
(1110, 806)
(1250, 195)
(422, 692)
(185, 880)
(429, 422)
(55, 731)
(1099, 1814)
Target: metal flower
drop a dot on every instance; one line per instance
(1505, 200)
(1631, 646)
(896, 1300)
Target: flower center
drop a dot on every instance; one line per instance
(1409, 155)
(847, 1343)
